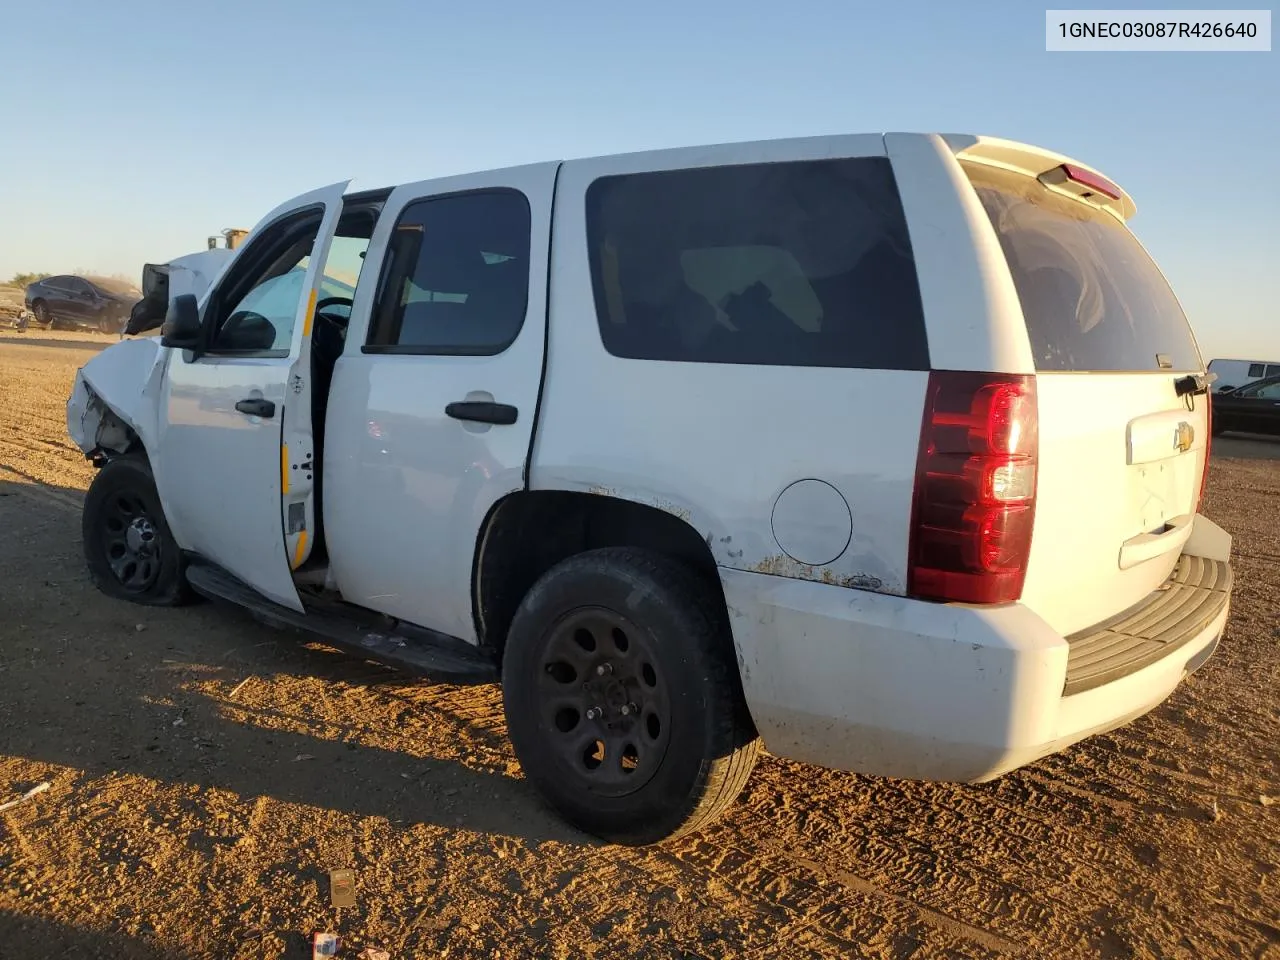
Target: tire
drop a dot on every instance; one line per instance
(42, 314)
(127, 544)
(672, 709)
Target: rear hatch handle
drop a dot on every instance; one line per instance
(1147, 546)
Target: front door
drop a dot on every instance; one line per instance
(64, 304)
(432, 408)
(236, 467)
(1255, 408)
(79, 303)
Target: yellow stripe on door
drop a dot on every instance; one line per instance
(284, 468)
(300, 550)
(311, 312)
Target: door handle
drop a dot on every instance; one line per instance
(257, 408)
(483, 411)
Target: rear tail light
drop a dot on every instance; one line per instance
(1208, 444)
(975, 488)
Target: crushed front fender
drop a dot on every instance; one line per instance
(115, 400)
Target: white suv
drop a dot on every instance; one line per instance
(884, 449)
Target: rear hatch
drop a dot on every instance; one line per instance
(1121, 453)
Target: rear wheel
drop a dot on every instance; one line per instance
(127, 544)
(622, 697)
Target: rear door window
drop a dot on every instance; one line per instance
(455, 280)
(804, 263)
(1257, 370)
(1092, 298)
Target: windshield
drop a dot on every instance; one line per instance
(1092, 298)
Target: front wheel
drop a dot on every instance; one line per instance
(127, 544)
(622, 697)
(42, 314)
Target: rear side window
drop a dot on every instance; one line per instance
(1092, 298)
(1257, 370)
(456, 276)
(793, 264)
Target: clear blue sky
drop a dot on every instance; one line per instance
(133, 130)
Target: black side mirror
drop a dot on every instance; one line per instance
(181, 327)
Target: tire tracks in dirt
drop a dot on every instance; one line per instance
(33, 489)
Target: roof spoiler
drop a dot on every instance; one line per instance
(1058, 172)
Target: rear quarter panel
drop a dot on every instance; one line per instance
(715, 443)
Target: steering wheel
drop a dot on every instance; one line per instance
(335, 302)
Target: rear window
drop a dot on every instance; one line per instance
(1092, 297)
(802, 263)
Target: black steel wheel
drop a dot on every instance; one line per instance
(132, 544)
(605, 701)
(622, 696)
(127, 544)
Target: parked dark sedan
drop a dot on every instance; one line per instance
(101, 303)
(1253, 408)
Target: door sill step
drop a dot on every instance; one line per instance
(414, 649)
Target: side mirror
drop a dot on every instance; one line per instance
(181, 328)
(149, 312)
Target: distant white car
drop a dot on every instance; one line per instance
(1234, 374)
(885, 448)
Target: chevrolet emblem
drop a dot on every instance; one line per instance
(1184, 436)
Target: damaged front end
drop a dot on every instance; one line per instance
(114, 404)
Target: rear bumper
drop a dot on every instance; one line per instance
(895, 687)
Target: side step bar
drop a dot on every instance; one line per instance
(414, 649)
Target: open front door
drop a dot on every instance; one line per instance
(236, 465)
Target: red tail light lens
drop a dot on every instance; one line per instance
(975, 488)
(1208, 445)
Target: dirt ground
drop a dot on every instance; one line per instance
(207, 772)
